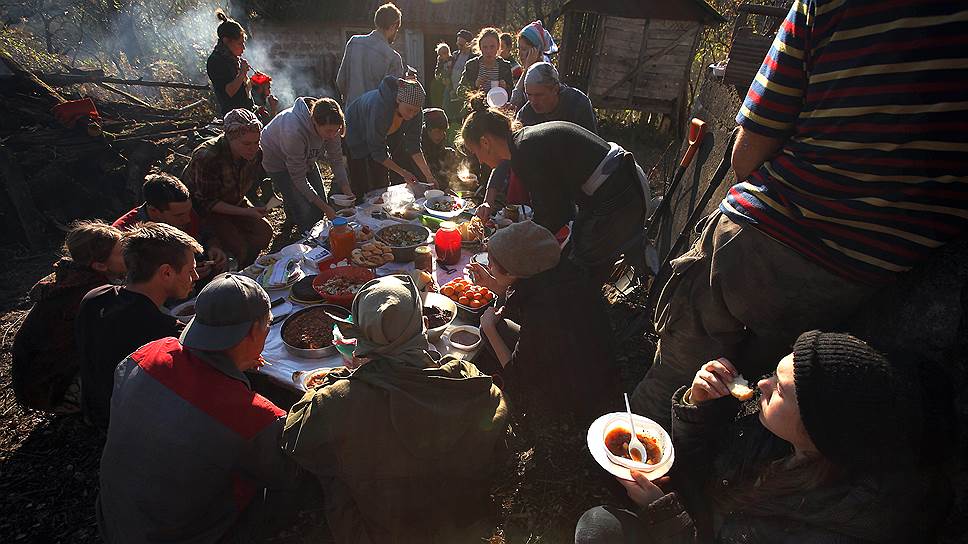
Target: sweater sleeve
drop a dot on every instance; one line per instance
(266, 462)
(518, 97)
(342, 74)
(697, 428)
(376, 134)
(586, 116)
(411, 135)
(333, 150)
(297, 165)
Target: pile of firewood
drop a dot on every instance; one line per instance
(52, 173)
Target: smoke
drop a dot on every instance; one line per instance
(294, 73)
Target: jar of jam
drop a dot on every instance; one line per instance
(447, 243)
(342, 239)
(423, 259)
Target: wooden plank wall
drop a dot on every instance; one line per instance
(663, 47)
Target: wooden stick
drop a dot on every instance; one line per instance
(127, 95)
(73, 79)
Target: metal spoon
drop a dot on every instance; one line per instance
(634, 444)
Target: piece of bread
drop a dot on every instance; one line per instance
(740, 388)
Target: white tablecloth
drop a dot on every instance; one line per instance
(282, 364)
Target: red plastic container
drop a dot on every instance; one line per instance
(352, 273)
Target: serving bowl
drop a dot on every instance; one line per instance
(452, 200)
(404, 254)
(449, 335)
(444, 303)
(185, 311)
(354, 274)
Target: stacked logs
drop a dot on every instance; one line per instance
(52, 174)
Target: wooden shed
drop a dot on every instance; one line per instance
(633, 54)
(305, 39)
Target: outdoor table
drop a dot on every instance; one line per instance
(283, 364)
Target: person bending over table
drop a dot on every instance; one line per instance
(44, 364)
(199, 475)
(220, 173)
(442, 159)
(291, 144)
(845, 448)
(551, 100)
(405, 445)
(600, 179)
(115, 320)
(168, 201)
(551, 340)
(383, 136)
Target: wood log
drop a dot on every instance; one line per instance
(31, 81)
(31, 220)
(60, 80)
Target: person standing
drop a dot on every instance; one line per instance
(535, 44)
(507, 53)
(369, 58)
(482, 71)
(383, 129)
(311, 130)
(44, 365)
(551, 100)
(464, 53)
(114, 321)
(212, 446)
(599, 197)
(440, 88)
(219, 174)
(847, 175)
(226, 68)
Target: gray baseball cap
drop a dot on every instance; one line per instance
(224, 313)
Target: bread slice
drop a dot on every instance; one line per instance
(740, 388)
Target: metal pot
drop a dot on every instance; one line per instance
(316, 353)
(404, 254)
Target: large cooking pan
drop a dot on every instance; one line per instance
(317, 352)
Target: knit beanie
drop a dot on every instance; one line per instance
(411, 92)
(524, 249)
(435, 118)
(852, 401)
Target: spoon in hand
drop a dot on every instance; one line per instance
(636, 449)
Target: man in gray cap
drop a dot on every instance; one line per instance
(551, 340)
(190, 446)
(551, 100)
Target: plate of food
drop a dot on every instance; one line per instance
(339, 285)
(474, 232)
(608, 438)
(446, 206)
(184, 312)
(470, 299)
(308, 333)
(463, 337)
(372, 255)
(513, 214)
(313, 378)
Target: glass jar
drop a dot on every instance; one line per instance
(423, 259)
(447, 243)
(342, 239)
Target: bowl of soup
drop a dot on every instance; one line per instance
(616, 437)
(463, 337)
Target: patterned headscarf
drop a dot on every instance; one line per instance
(542, 73)
(411, 92)
(388, 321)
(240, 120)
(536, 34)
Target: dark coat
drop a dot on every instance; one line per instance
(468, 80)
(563, 359)
(45, 359)
(855, 508)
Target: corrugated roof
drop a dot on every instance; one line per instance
(416, 13)
(676, 10)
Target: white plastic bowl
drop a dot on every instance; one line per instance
(433, 193)
(468, 328)
(497, 97)
(178, 309)
(444, 303)
(343, 200)
(620, 466)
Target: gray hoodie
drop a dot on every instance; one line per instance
(290, 144)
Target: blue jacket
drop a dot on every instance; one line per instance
(368, 118)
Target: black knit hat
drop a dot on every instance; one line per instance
(851, 401)
(435, 118)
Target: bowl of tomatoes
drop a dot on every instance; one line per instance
(471, 300)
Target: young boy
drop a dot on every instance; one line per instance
(45, 361)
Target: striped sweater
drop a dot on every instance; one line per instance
(871, 98)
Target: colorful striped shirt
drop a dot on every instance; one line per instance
(870, 97)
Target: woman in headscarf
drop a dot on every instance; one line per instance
(599, 179)
(402, 445)
(220, 173)
(383, 129)
(226, 68)
(535, 44)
